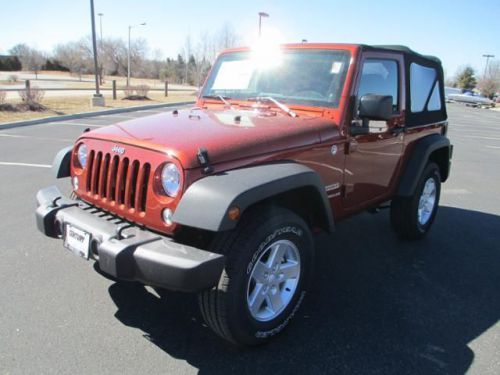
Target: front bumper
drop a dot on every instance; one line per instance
(126, 251)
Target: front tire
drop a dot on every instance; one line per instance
(412, 217)
(269, 261)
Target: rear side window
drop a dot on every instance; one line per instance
(380, 76)
(424, 89)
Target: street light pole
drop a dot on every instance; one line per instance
(261, 14)
(128, 57)
(128, 54)
(486, 66)
(100, 24)
(100, 43)
(94, 47)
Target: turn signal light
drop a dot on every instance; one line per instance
(233, 213)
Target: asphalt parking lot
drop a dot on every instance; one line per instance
(378, 305)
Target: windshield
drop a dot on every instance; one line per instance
(301, 76)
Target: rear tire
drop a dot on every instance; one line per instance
(269, 261)
(412, 217)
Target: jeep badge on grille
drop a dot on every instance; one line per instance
(118, 150)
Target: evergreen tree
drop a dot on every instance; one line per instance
(191, 70)
(180, 68)
(466, 79)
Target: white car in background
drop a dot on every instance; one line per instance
(468, 97)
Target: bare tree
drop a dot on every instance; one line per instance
(75, 57)
(190, 66)
(138, 51)
(203, 58)
(489, 85)
(450, 82)
(31, 58)
(169, 71)
(187, 52)
(214, 43)
(494, 69)
(157, 64)
(227, 37)
(114, 56)
(78, 56)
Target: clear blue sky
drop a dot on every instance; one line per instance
(459, 32)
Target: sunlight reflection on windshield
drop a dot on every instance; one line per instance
(266, 51)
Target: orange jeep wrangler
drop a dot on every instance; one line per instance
(221, 199)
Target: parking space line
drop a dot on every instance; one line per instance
(481, 137)
(122, 116)
(482, 129)
(456, 191)
(494, 147)
(26, 164)
(75, 124)
(37, 138)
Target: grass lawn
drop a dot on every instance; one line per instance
(65, 105)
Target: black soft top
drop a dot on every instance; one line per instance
(405, 49)
(424, 117)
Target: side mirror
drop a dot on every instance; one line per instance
(375, 107)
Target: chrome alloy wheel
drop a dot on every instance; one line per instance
(427, 201)
(273, 280)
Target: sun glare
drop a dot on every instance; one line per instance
(266, 51)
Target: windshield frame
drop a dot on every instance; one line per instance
(289, 101)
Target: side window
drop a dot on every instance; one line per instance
(424, 89)
(380, 76)
(435, 100)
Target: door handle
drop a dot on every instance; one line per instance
(397, 130)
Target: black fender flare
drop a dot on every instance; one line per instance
(60, 165)
(420, 155)
(205, 203)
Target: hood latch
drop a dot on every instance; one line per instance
(204, 160)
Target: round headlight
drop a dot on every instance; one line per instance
(82, 155)
(171, 179)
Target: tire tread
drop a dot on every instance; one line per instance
(212, 302)
(403, 218)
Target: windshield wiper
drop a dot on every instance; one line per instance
(223, 99)
(281, 106)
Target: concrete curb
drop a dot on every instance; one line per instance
(17, 124)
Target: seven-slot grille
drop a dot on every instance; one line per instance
(118, 180)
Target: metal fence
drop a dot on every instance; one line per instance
(166, 89)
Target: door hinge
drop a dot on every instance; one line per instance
(351, 146)
(347, 189)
